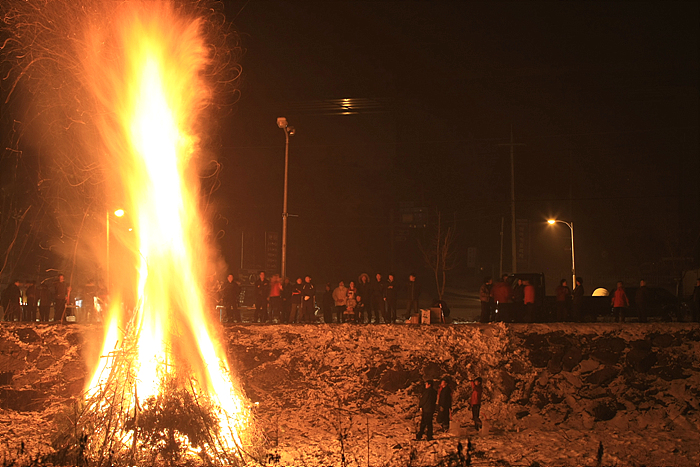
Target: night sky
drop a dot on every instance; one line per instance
(603, 97)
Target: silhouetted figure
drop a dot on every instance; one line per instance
(578, 301)
(620, 302)
(327, 304)
(378, 300)
(44, 302)
(485, 299)
(444, 403)
(287, 289)
(363, 290)
(295, 313)
(276, 298)
(391, 299)
(11, 302)
(427, 404)
(413, 296)
(563, 297)
(229, 295)
(262, 294)
(308, 301)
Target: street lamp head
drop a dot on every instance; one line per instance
(290, 130)
(119, 212)
(281, 122)
(551, 221)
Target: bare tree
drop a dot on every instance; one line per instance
(440, 253)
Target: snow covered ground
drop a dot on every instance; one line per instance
(333, 395)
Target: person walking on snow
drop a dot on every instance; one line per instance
(475, 401)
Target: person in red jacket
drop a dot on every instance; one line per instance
(475, 401)
(529, 301)
(503, 298)
(620, 302)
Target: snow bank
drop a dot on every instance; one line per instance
(333, 395)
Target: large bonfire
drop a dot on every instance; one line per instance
(162, 390)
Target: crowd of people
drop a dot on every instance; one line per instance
(516, 301)
(29, 301)
(280, 300)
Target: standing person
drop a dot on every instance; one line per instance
(529, 301)
(444, 402)
(363, 290)
(518, 301)
(475, 401)
(391, 299)
(276, 297)
(328, 304)
(620, 302)
(563, 294)
(262, 293)
(287, 289)
(11, 302)
(641, 300)
(230, 293)
(60, 298)
(44, 302)
(229, 297)
(502, 296)
(378, 299)
(427, 407)
(696, 301)
(360, 309)
(578, 301)
(32, 299)
(413, 292)
(295, 313)
(485, 299)
(308, 301)
(351, 302)
(340, 298)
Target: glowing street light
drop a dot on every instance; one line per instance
(570, 225)
(288, 131)
(119, 213)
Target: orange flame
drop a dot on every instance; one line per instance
(153, 93)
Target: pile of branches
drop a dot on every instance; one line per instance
(178, 427)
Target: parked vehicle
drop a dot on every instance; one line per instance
(663, 306)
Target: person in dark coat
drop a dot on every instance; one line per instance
(363, 290)
(11, 302)
(485, 299)
(295, 313)
(262, 294)
(427, 404)
(641, 300)
(308, 301)
(378, 299)
(391, 299)
(444, 403)
(578, 301)
(413, 292)
(32, 298)
(60, 298)
(328, 304)
(230, 294)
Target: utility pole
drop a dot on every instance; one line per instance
(514, 251)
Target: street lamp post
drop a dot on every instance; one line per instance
(570, 225)
(288, 131)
